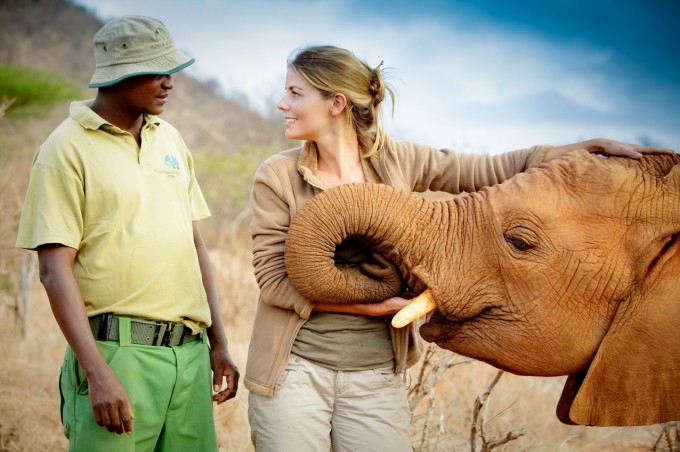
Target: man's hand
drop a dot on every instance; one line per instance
(223, 368)
(220, 360)
(110, 404)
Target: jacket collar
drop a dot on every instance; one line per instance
(308, 164)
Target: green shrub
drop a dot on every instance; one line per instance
(33, 91)
(226, 179)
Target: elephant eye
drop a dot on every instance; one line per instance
(519, 244)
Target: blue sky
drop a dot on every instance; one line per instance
(482, 76)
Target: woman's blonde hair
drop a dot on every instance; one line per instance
(334, 70)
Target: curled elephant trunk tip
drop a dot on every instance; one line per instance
(421, 305)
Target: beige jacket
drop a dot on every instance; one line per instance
(282, 186)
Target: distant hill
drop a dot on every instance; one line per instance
(228, 139)
(56, 36)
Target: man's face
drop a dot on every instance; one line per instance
(145, 94)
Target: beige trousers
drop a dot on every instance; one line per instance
(320, 409)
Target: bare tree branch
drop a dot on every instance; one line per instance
(478, 422)
(510, 436)
(430, 373)
(670, 432)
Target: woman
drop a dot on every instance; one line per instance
(327, 376)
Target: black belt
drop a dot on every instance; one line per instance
(144, 332)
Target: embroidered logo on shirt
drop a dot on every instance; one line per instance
(171, 161)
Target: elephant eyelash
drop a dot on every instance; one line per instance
(519, 244)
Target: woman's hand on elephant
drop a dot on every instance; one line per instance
(607, 147)
(388, 307)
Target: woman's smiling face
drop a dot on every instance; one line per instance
(306, 111)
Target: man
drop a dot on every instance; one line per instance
(111, 209)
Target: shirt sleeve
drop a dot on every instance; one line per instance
(429, 168)
(270, 224)
(53, 207)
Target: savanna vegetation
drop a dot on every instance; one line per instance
(46, 60)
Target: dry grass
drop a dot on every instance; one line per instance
(29, 399)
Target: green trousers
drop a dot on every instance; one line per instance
(171, 394)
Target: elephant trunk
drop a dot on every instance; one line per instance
(397, 228)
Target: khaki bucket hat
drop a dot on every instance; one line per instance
(134, 45)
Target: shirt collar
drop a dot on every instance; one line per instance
(82, 113)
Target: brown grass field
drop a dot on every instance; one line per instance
(29, 398)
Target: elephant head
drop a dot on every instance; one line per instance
(571, 268)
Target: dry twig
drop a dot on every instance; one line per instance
(477, 427)
(670, 432)
(430, 372)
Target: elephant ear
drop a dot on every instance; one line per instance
(634, 377)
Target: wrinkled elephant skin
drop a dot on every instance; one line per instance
(571, 268)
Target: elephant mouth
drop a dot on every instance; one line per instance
(442, 330)
(439, 329)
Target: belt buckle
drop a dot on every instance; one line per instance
(159, 333)
(169, 335)
(105, 325)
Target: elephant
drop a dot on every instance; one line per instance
(569, 268)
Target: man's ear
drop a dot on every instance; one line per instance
(339, 103)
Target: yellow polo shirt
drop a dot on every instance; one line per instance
(128, 211)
